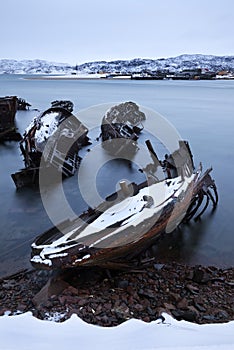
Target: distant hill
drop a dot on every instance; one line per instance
(172, 64)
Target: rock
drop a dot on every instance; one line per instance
(106, 320)
(82, 302)
(71, 299)
(121, 311)
(8, 284)
(175, 297)
(222, 314)
(107, 306)
(146, 319)
(123, 284)
(192, 289)
(182, 304)
(21, 307)
(187, 315)
(73, 311)
(52, 287)
(200, 275)
(211, 318)
(99, 310)
(158, 266)
(3, 310)
(138, 307)
(199, 307)
(189, 275)
(169, 306)
(150, 311)
(193, 309)
(71, 290)
(146, 293)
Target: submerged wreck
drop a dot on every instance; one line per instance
(8, 108)
(56, 135)
(120, 128)
(130, 220)
(22, 104)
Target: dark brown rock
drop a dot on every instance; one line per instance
(192, 289)
(187, 315)
(169, 306)
(182, 304)
(199, 307)
(200, 275)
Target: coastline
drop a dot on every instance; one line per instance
(192, 293)
(118, 77)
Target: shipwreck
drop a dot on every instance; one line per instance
(131, 219)
(8, 108)
(56, 136)
(120, 128)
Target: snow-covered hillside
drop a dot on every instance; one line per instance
(173, 64)
(33, 67)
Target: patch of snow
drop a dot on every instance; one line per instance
(26, 332)
(54, 316)
(132, 209)
(7, 313)
(61, 255)
(37, 259)
(83, 258)
(49, 250)
(49, 124)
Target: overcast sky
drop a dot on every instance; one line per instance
(77, 31)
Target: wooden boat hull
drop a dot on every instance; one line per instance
(115, 245)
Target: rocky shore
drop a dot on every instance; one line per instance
(107, 298)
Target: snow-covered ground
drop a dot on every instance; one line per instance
(24, 332)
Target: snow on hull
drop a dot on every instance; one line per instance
(130, 212)
(111, 233)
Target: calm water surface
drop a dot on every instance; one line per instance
(201, 111)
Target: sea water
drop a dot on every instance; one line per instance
(201, 111)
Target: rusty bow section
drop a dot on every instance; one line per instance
(57, 135)
(129, 221)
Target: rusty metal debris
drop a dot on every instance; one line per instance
(123, 121)
(66, 104)
(8, 108)
(57, 135)
(22, 105)
(130, 220)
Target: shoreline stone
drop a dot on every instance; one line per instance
(193, 293)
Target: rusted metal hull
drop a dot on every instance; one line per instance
(53, 140)
(8, 108)
(120, 246)
(120, 128)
